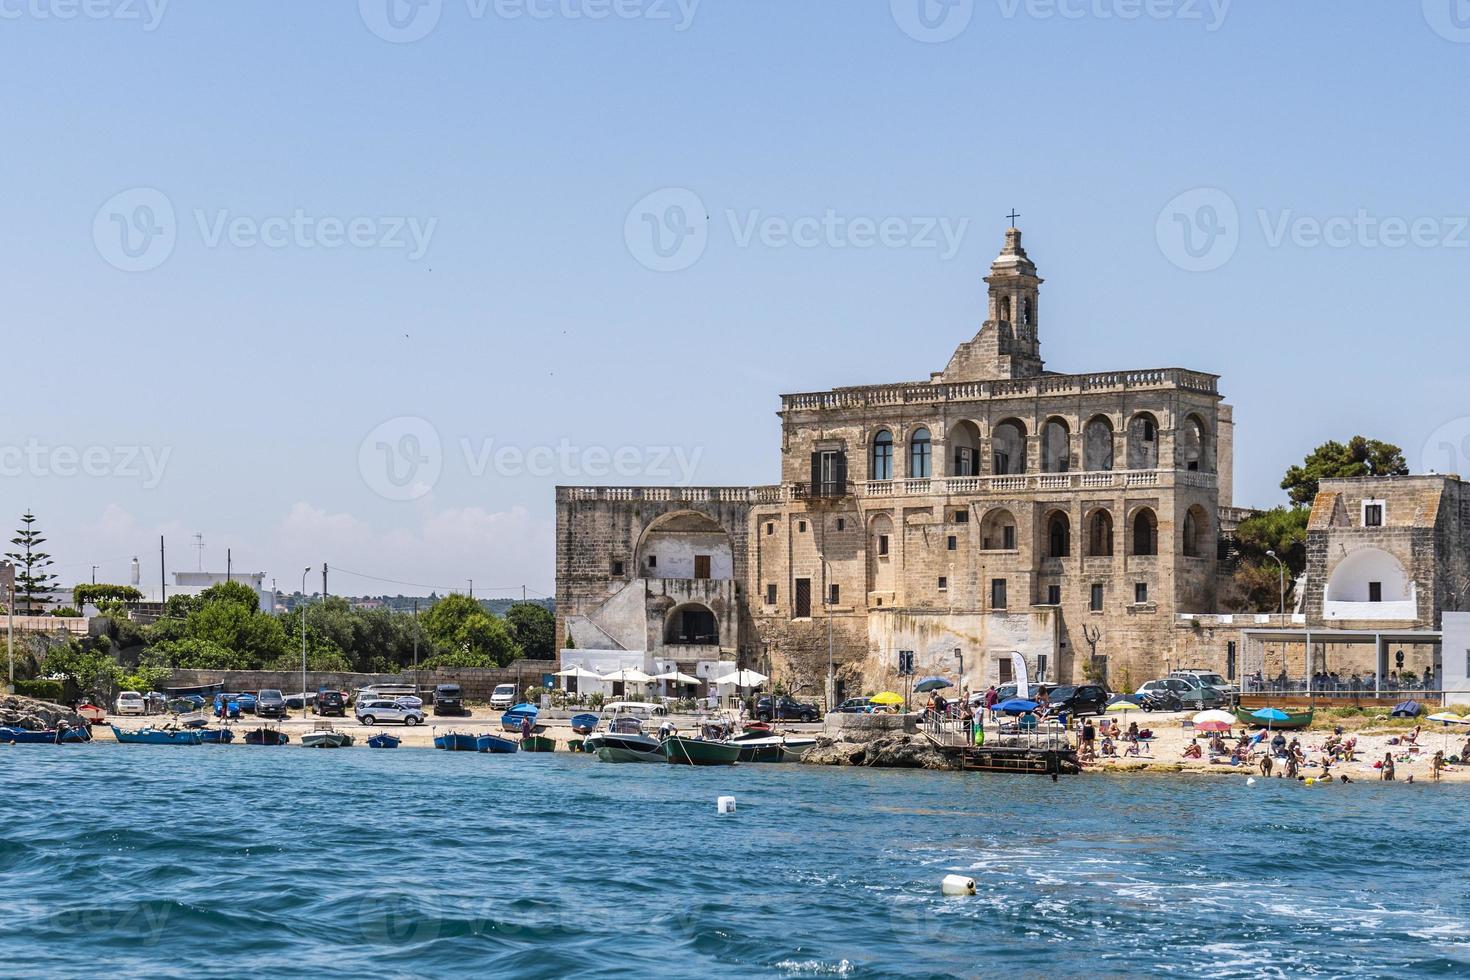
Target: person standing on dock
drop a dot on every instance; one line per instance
(992, 696)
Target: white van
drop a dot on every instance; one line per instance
(504, 696)
(130, 703)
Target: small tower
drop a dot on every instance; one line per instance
(1007, 345)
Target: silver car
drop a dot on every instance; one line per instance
(372, 712)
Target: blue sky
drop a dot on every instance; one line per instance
(272, 384)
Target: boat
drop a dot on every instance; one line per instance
(538, 743)
(266, 736)
(623, 741)
(511, 720)
(48, 736)
(457, 742)
(760, 748)
(158, 736)
(217, 736)
(575, 744)
(584, 724)
(383, 740)
(1294, 719)
(496, 744)
(91, 714)
(324, 736)
(683, 750)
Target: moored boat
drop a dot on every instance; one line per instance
(682, 750)
(326, 737)
(383, 740)
(158, 736)
(48, 736)
(1294, 719)
(575, 744)
(266, 735)
(511, 720)
(496, 744)
(584, 724)
(457, 742)
(538, 743)
(217, 736)
(623, 741)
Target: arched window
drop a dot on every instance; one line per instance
(998, 531)
(1192, 440)
(1100, 535)
(1058, 536)
(1008, 448)
(921, 451)
(882, 462)
(1005, 308)
(1143, 442)
(1097, 444)
(1026, 311)
(1145, 533)
(1056, 447)
(1196, 533)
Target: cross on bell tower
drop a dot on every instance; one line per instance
(1012, 217)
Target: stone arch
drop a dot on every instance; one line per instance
(881, 574)
(1058, 534)
(691, 624)
(1143, 536)
(1100, 533)
(1194, 444)
(1005, 308)
(685, 544)
(1008, 447)
(1028, 311)
(1097, 444)
(964, 449)
(998, 530)
(880, 455)
(1056, 445)
(1143, 442)
(1195, 539)
(920, 454)
(1355, 574)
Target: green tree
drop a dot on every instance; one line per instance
(236, 592)
(458, 626)
(100, 594)
(32, 582)
(1255, 585)
(1359, 457)
(533, 627)
(92, 671)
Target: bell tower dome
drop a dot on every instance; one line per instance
(1007, 345)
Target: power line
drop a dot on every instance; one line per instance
(435, 588)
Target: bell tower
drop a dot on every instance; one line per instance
(1007, 345)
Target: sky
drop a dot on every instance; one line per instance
(362, 282)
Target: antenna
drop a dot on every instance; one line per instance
(199, 547)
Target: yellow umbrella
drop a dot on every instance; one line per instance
(1122, 706)
(887, 697)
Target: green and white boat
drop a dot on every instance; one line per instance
(682, 750)
(538, 743)
(324, 736)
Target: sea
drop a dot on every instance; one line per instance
(234, 860)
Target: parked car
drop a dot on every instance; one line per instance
(300, 702)
(785, 709)
(1078, 699)
(1207, 678)
(372, 712)
(330, 703)
(448, 700)
(247, 702)
(270, 703)
(504, 697)
(1179, 694)
(130, 703)
(854, 706)
(226, 705)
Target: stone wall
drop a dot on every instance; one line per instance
(476, 684)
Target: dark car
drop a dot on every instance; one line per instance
(854, 706)
(330, 703)
(785, 708)
(1079, 699)
(448, 700)
(270, 703)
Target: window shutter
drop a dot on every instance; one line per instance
(840, 471)
(816, 472)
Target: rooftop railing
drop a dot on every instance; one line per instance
(923, 393)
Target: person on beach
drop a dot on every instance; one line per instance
(1436, 765)
(1291, 767)
(1193, 751)
(1413, 738)
(1217, 745)
(992, 697)
(1266, 764)
(526, 728)
(1089, 737)
(1465, 751)
(1278, 745)
(1387, 774)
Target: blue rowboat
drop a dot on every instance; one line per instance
(496, 744)
(456, 742)
(216, 736)
(383, 740)
(584, 724)
(50, 736)
(511, 720)
(157, 736)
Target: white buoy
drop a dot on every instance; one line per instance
(957, 885)
(725, 804)
(1250, 780)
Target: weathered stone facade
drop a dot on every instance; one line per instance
(995, 508)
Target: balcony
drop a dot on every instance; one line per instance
(1038, 483)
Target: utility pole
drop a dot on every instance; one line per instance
(94, 574)
(324, 581)
(10, 633)
(304, 604)
(415, 644)
(472, 588)
(162, 573)
(229, 563)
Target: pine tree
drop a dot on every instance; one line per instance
(32, 582)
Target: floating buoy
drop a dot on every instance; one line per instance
(1311, 780)
(725, 804)
(957, 885)
(1250, 780)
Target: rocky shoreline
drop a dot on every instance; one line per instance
(890, 750)
(33, 715)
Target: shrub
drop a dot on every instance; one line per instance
(41, 690)
(66, 612)
(596, 700)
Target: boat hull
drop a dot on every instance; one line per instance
(50, 736)
(511, 720)
(266, 736)
(681, 751)
(456, 742)
(1294, 720)
(154, 736)
(326, 740)
(584, 724)
(383, 740)
(538, 743)
(495, 744)
(216, 736)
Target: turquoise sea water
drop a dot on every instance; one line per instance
(125, 860)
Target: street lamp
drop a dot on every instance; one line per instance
(827, 606)
(960, 656)
(304, 573)
(1272, 554)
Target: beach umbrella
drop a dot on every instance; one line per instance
(743, 678)
(578, 672)
(931, 684)
(1446, 719)
(1121, 705)
(628, 675)
(1214, 721)
(1268, 715)
(886, 697)
(676, 677)
(1015, 706)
